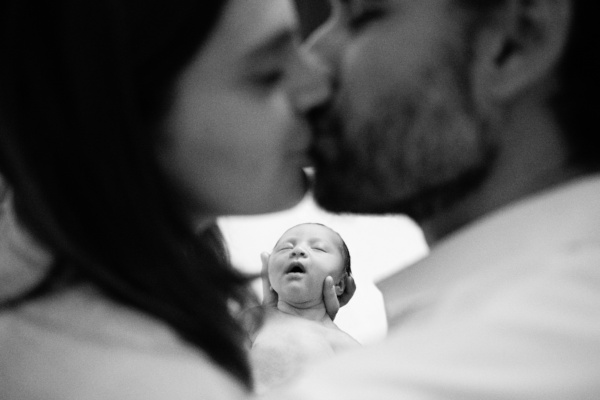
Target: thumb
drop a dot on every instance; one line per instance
(269, 296)
(332, 304)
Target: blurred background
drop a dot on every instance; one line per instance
(379, 245)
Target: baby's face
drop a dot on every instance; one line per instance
(301, 260)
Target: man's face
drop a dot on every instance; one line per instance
(401, 133)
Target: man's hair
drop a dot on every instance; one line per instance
(577, 102)
(84, 89)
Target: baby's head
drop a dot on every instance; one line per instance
(301, 260)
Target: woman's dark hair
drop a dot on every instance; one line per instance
(84, 87)
(577, 103)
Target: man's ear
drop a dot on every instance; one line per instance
(340, 287)
(518, 47)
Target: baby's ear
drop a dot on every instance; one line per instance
(340, 286)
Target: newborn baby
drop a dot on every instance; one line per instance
(299, 330)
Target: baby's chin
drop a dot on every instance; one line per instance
(300, 299)
(296, 300)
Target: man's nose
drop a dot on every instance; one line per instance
(313, 83)
(326, 43)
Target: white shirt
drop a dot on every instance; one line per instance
(506, 308)
(79, 345)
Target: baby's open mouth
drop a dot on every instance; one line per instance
(296, 268)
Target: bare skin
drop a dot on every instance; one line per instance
(294, 335)
(278, 351)
(333, 303)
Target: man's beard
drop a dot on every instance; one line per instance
(416, 156)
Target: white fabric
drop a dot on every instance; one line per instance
(79, 345)
(507, 308)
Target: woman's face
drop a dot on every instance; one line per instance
(236, 139)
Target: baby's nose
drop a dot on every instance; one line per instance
(298, 252)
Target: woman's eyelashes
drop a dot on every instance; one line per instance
(361, 13)
(268, 79)
(359, 20)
